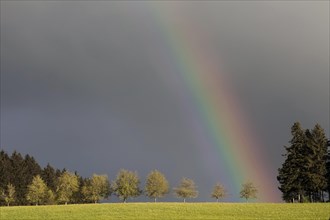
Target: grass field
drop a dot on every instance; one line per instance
(169, 211)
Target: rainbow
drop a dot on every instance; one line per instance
(212, 107)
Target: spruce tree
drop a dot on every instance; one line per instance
(6, 174)
(303, 173)
(30, 169)
(78, 196)
(48, 174)
(328, 170)
(292, 174)
(18, 177)
(316, 152)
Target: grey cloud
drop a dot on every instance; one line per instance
(86, 78)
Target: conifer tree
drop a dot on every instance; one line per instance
(18, 177)
(328, 170)
(78, 197)
(303, 173)
(48, 174)
(30, 169)
(292, 174)
(316, 150)
(5, 170)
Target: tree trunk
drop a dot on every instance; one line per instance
(66, 203)
(184, 199)
(124, 200)
(322, 196)
(155, 199)
(217, 200)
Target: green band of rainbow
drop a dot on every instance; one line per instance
(221, 119)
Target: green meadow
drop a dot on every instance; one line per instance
(169, 211)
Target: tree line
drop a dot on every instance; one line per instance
(24, 182)
(305, 173)
(303, 177)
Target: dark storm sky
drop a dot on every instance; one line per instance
(80, 87)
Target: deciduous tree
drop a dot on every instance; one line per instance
(248, 191)
(156, 185)
(67, 185)
(219, 192)
(50, 198)
(37, 191)
(97, 188)
(186, 189)
(9, 196)
(126, 185)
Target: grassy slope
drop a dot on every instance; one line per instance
(170, 211)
